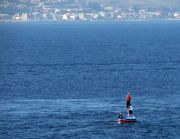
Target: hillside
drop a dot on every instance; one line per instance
(140, 3)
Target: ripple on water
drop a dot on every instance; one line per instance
(81, 118)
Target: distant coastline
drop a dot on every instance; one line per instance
(76, 21)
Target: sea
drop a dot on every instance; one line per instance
(69, 80)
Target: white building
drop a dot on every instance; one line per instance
(108, 8)
(95, 16)
(65, 17)
(119, 16)
(22, 17)
(72, 17)
(102, 14)
(56, 11)
(81, 16)
(16, 17)
(177, 15)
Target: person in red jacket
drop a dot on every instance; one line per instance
(128, 98)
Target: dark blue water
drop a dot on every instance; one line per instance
(70, 80)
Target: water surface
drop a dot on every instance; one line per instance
(70, 80)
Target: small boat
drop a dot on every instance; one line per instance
(127, 120)
(129, 116)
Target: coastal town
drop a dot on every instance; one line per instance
(77, 10)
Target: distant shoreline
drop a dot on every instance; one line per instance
(76, 21)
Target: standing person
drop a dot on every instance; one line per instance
(130, 111)
(128, 98)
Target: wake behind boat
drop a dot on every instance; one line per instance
(129, 118)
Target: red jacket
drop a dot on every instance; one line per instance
(128, 97)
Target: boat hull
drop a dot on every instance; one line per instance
(126, 120)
